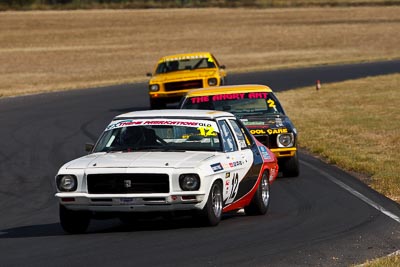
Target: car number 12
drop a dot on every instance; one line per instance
(234, 188)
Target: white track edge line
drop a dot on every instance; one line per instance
(354, 192)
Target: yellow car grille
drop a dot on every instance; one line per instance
(173, 86)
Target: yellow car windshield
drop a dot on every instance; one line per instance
(185, 64)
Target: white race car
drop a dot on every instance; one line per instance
(167, 160)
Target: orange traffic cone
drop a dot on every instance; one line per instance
(318, 85)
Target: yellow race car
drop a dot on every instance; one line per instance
(175, 75)
(259, 109)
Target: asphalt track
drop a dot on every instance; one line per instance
(325, 217)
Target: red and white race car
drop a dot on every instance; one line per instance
(167, 160)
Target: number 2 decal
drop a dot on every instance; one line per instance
(271, 103)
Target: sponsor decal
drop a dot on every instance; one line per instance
(257, 95)
(227, 184)
(246, 122)
(167, 122)
(206, 128)
(228, 97)
(227, 175)
(264, 152)
(232, 96)
(242, 143)
(278, 122)
(186, 57)
(235, 163)
(277, 131)
(216, 167)
(199, 99)
(123, 123)
(258, 131)
(269, 131)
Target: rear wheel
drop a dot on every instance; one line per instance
(260, 202)
(74, 222)
(212, 211)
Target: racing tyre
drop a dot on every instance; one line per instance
(260, 202)
(157, 104)
(74, 222)
(212, 211)
(291, 167)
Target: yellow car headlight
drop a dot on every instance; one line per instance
(154, 87)
(212, 81)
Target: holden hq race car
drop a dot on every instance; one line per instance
(259, 109)
(174, 75)
(196, 162)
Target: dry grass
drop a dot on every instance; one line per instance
(54, 50)
(355, 125)
(291, 3)
(389, 261)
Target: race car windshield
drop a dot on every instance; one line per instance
(185, 64)
(240, 104)
(161, 135)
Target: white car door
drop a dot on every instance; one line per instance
(236, 163)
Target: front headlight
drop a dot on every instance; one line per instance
(189, 182)
(285, 140)
(66, 183)
(212, 81)
(154, 87)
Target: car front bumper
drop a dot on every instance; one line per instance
(284, 152)
(131, 202)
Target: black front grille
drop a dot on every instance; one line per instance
(183, 85)
(267, 140)
(127, 183)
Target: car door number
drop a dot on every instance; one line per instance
(234, 188)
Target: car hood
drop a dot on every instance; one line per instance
(140, 160)
(183, 75)
(270, 121)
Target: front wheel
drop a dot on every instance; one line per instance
(291, 167)
(212, 211)
(260, 202)
(74, 222)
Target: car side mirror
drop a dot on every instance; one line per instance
(149, 74)
(89, 147)
(222, 67)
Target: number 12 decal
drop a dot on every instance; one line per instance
(207, 131)
(235, 185)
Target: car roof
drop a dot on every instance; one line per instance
(186, 55)
(175, 113)
(227, 89)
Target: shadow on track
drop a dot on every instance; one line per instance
(41, 230)
(111, 226)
